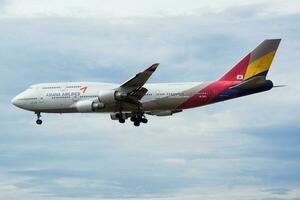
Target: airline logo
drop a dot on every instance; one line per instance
(239, 77)
(83, 89)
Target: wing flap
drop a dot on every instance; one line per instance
(138, 93)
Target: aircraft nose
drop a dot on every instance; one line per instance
(14, 101)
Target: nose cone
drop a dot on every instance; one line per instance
(24, 100)
(14, 101)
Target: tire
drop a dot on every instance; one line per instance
(39, 122)
(122, 121)
(144, 120)
(118, 115)
(136, 123)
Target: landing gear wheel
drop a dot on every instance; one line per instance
(136, 123)
(122, 121)
(144, 120)
(118, 115)
(38, 121)
(138, 118)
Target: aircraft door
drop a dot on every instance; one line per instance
(41, 99)
(63, 88)
(157, 94)
(75, 97)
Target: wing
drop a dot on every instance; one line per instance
(133, 90)
(140, 79)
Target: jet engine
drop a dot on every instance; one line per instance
(89, 106)
(111, 96)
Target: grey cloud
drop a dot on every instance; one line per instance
(277, 190)
(72, 44)
(244, 142)
(3, 4)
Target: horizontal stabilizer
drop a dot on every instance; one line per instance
(254, 82)
(276, 86)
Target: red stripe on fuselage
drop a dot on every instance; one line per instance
(206, 95)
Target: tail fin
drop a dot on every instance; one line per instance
(256, 63)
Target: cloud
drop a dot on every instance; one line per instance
(174, 161)
(278, 190)
(3, 4)
(240, 149)
(141, 8)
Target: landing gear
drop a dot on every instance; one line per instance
(38, 121)
(138, 119)
(120, 117)
(136, 123)
(122, 121)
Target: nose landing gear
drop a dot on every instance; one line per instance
(38, 121)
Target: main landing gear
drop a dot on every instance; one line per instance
(121, 118)
(137, 119)
(38, 121)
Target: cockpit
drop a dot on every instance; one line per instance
(26, 98)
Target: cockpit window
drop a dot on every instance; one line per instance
(32, 87)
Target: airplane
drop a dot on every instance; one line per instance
(135, 98)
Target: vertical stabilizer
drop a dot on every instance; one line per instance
(256, 63)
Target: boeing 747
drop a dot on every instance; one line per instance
(134, 98)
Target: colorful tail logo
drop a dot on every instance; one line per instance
(256, 63)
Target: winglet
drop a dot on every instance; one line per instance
(140, 78)
(152, 68)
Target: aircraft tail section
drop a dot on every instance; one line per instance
(256, 63)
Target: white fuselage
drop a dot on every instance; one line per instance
(134, 98)
(65, 97)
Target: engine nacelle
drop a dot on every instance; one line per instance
(107, 96)
(116, 116)
(89, 106)
(111, 96)
(120, 95)
(164, 112)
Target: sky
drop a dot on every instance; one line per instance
(245, 149)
